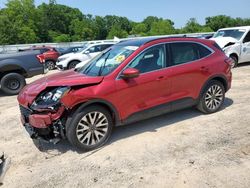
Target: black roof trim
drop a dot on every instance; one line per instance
(141, 41)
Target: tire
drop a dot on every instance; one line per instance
(83, 131)
(212, 97)
(50, 65)
(12, 83)
(72, 64)
(235, 61)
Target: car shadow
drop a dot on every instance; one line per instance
(123, 132)
(2, 94)
(243, 64)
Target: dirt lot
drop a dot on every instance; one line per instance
(181, 149)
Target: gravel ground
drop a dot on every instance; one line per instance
(181, 149)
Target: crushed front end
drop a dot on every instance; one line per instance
(44, 118)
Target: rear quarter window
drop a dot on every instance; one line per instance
(202, 51)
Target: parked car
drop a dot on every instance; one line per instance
(69, 61)
(50, 54)
(81, 64)
(129, 82)
(73, 49)
(235, 42)
(15, 67)
(206, 36)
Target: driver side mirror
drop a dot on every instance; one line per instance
(130, 73)
(87, 52)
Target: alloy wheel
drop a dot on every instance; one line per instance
(50, 65)
(92, 128)
(214, 97)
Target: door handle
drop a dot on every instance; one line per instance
(160, 78)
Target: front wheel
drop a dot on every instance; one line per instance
(72, 64)
(90, 128)
(212, 97)
(12, 83)
(235, 61)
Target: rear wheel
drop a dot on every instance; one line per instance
(90, 128)
(50, 65)
(12, 83)
(212, 97)
(72, 64)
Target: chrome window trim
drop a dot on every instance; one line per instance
(165, 43)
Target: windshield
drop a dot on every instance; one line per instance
(234, 33)
(107, 61)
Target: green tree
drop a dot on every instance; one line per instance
(218, 22)
(149, 21)
(139, 29)
(162, 27)
(117, 31)
(62, 38)
(26, 35)
(193, 26)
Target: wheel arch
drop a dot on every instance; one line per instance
(220, 78)
(12, 69)
(107, 105)
(53, 60)
(235, 55)
(76, 60)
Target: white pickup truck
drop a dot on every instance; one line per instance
(235, 42)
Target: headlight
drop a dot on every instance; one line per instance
(49, 99)
(62, 59)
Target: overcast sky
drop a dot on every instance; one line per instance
(178, 11)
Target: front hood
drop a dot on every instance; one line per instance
(223, 41)
(66, 78)
(65, 56)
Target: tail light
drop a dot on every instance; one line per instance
(229, 61)
(41, 58)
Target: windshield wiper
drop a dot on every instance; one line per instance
(103, 65)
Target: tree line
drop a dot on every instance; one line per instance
(22, 22)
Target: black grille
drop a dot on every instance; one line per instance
(24, 111)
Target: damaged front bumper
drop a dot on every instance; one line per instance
(45, 126)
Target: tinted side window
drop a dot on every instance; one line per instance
(150, 60)
(105, 46)
(44, 50)
(183, 53)
(202, 51)
(94, 49)
(247, 38)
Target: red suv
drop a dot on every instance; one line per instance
(50, 54)
(128, 82)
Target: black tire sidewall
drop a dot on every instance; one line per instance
(204, 106)
(51, 62)
(9, 76)
(235, 61)
(72, 63)
(76, 117)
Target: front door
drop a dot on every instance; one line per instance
(150, 89)
(245, 49)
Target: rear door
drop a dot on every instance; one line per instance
(189, 71)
